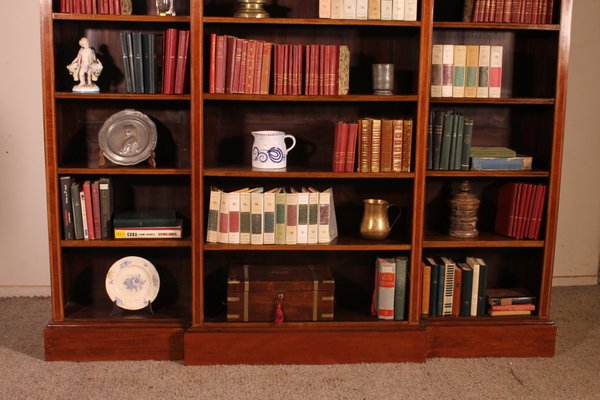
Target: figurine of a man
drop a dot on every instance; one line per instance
(85, 68)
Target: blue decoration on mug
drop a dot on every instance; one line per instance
(274, 154)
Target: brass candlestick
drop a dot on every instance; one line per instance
(251, 9)
(463, 213)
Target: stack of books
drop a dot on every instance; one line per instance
(498, 158)
(389, 294)
(397, 10)
(510, 11)
(513, 301)
(276, 216)
(91, 6)
(383, 145)
(155, 62)
(87, 208)
(459, 70)
(449, 141)
(153, 224)
(520, 209)
(453, 288)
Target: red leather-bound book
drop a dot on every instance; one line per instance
(117, 6)
(231, 46)
(335, 67)
(250, 66)
(87, 191)
(212, 71)
(258, 61)
(237, 65)
(540, 213)
(341, 145)
(241, 87)
(505, 209)
(265, 79)
(96, 213)
(169, 61)
(351, 147)
(386, 145)
(183, 45)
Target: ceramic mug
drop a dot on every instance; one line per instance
(269, 150)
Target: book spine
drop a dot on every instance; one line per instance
(365, 145)
(447, 70)
(362, 9)
(475, 286)
(481, 290)
(446, 140)
(410, 10)
(349, 9)
(374, 10)
(501, 163)
(400, 288)
(459, 142)
(437, 74)
(407, 144)
(181, 69)
(495, 71)
(397, 144)
(351, 148)
(223, 232)
(125, 57)
(386, 273)
(67, 207)
(269, 218)
(458, 73)
(89, 209)
(265, 79)
(484, 72)
(77, 217)
(291, 232)
(398, 10)
(327, 219)
(343, 70)
(337, 9)
(386, 145)
(324, 8)
(234, 218)
(260, 48)
(302, 235)
(95, 188)
(106, 207)
(256, 218)
(386, 10)
(472, 71)
(313, 217)
(212, 225)
(466, 143)
(448, 291)
(375, 145)
(84, 218)
(466, 291)
(148, 233)
(426, 288)
(245, 217)
(280, 217)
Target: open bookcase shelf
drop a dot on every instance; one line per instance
(204, 142)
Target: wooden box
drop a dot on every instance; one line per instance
(304, 293)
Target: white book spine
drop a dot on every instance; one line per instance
(458, 75)
(386, 10)
(410, 10)
(303, 218)
(327, 220)
(212, 227)
(449, 270)
(324, 8)
(84, 211)
(475, 293)
(234, 218)
(436, 70)
(362, 9)
(386, 283)
(313, 217)
(349, 9)
(337, 9)
(398, 10)
(495, 71)
(447, 69)
(484, 72)
(269, 218)
(256, 227)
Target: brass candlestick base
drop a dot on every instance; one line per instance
(251, 9)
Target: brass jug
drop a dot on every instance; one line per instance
(375, 222)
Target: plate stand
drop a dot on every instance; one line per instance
(121, 312)
(104, 162)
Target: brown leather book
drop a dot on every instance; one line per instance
(386, 145)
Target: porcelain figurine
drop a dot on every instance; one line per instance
(85, 68)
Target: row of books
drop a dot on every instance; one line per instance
(454, 288)
(459, 70)
(384, 145)
(275, 216)
(147, 224)
(520, 209)
(397, 10)
(91, 6)
(510, 301)
(449, 140)
(87, 208)
(155, 62)
(244, 66)
(510, 11)
(389, 293)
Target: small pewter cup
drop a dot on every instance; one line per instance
(383, 79)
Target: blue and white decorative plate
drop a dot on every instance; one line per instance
(132, 283)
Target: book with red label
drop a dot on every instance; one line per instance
(385, 283)
(223, 231)
(495, 71)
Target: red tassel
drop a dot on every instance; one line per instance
(278, 311)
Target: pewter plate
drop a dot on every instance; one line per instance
(127, 137)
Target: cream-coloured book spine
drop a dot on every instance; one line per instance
(324, 8)
(458, 74)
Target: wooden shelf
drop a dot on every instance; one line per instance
(303, 98)
(127, 243)
(120, 18)
(123, 171)
(500, 101)
(488, 174)
(291, 172)
(309, 21)
(120, 96)
(484, 239)
(495, 26)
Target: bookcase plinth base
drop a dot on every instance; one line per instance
(203, 347)
(537, 339)
(97, 343)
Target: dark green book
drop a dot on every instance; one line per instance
(67, 207)
(482, 292)
(466, 290)
(126, 62)
(145, 219)
(430, 140)
(446, 140)
(138, 66)
(106, 207)
(466, 144)
(147, 38)
(453, 140)
(400, 288)
(459, 142)
(438, 128)
(77, 217)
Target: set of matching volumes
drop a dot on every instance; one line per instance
(150, 224)
(384, 145)
(459, 70)
(510, 11)
(91, 6)
(87, 208)
(449, 141)
(155, 62)
(520, 209)
(397, 10)
(389, 294)
(510, 301)
(276, 216)
(454, 288)
(244, 66)
(239, 65)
